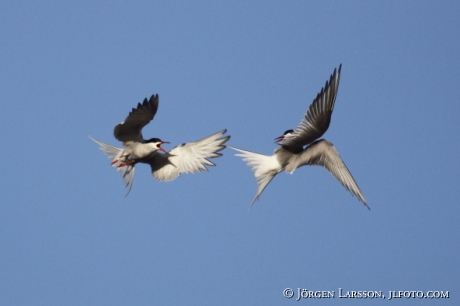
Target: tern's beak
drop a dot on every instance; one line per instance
(278, 139)
(160, 148)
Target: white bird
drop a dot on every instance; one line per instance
(187, 158)
(291, 155)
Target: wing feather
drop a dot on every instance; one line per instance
(323, 153)
(318, 117)
(188, 158)
(131, 128)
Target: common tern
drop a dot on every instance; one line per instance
(186, 158)
(292, 155)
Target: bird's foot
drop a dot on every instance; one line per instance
(126, 164)
(122, 157)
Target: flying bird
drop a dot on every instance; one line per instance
(292, 154)
(188, 157)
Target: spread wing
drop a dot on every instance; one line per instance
(323, 153)
(188, 158)
(318, 116)
(131, 128)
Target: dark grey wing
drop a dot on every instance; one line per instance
(323, 153)
(318, 116)
(131, 128)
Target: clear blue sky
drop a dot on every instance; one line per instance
(70, 69)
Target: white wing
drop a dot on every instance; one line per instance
(265, 168)
(187, 158)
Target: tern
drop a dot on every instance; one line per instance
(292, 154)
(186, 158)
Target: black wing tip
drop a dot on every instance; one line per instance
(338, 73)
(153, 99)
(337, 70)
(150, 105)
(153, 103)
(334, 74)
(365, 204)
(256, 198)
(147, 103)
(218, 149)
(224, 139)
(222, 132)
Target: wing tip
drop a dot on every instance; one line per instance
(252, 203)
(365, 204)
(224, 140)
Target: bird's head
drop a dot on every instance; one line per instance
(155, 144)
(286, 134)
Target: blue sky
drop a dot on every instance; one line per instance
(71, 69)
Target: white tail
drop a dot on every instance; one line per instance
(114, 154)
(265, 168)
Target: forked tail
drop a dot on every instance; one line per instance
(264, 167)
(114, 154)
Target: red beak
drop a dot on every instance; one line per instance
(279, 138)
(160, 148)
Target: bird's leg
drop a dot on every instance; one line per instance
(124, 157)
(126, 164)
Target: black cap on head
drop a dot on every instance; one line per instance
(288, 131)
(153, 140)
